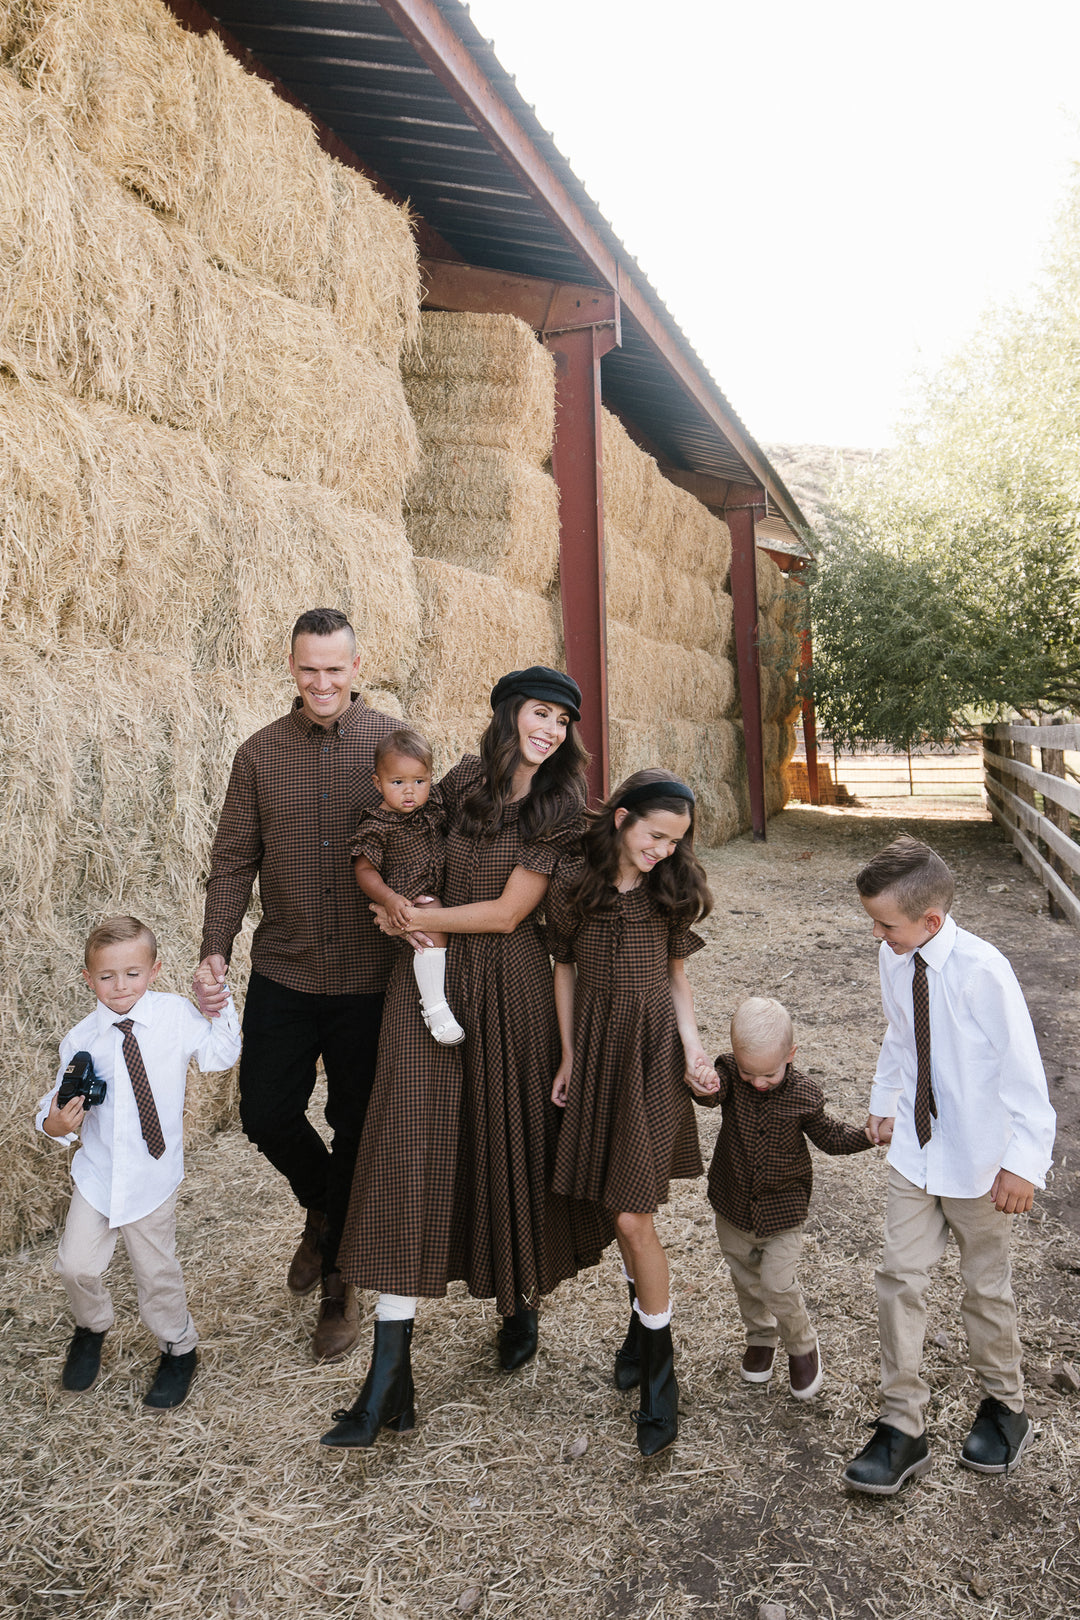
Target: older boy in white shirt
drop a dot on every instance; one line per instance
(960, 1097)
(129, 1166)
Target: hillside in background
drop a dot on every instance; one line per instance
(813, 471)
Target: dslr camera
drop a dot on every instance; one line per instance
(81, 1081)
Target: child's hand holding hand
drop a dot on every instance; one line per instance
(1011, 1194)
(700, 1075)
(399, 912)
(63, 1121)
(879, 1129)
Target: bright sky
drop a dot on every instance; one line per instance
(826, 193)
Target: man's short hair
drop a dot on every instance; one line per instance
(762, 1026)
(118, 931)
(913, 873)
(321, 621)
(408, 742)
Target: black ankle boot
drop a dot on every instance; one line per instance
(628, 1355)
(518, 1337)
(658, 1420)
(386, 1400)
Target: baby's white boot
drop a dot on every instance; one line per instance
(429, 968)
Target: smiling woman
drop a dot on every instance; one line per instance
(454, 1167)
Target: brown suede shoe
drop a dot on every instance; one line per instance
(806, 1374)
(305, 1269)
(757, 1363)
(338, 1328)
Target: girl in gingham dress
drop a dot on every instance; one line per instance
(619, 928)
(453, 1174)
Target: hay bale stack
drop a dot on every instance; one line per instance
(472, 630)
(483, 517)
(203, 430)
(781, 603)
(174, 119)
(670, 681)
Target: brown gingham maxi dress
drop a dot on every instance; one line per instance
(452, 1176)
(629, 1127)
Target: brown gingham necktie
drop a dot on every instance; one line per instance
(140, 1085)
(924, 1090)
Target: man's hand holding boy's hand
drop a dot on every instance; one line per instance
(209, 986)
(63, 1121)
(879, 1128)
(1011, 1194)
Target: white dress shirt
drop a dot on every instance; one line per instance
(113, 1168)
(993, 1109)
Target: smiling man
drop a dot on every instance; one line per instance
(319, 964)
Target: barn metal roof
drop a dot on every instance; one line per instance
(368, 72)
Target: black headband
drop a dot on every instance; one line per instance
(648, 791)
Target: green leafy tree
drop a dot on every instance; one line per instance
(949, 580)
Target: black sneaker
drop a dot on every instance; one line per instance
(83, 1360)
(884, 1463)
(173, 1380)
(998, 1438)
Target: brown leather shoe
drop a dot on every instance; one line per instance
(305, 1268)
(806, 1374)
(338, 1328)
(757, 1363)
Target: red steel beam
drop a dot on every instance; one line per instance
(546, 306)
(745, 503)
(577, 463)
(436, 43)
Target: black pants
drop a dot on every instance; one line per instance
(285, 1033)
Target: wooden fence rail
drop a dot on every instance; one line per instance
(1044, 838)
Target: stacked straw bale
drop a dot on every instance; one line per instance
(671, 683)
(202, 432)
(482, 514)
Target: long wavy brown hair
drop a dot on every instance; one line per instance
(558, 788)
(678, 886)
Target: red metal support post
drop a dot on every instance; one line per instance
(577, 463)
(744, 504)
(809, 718)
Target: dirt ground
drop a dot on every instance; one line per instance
(228, 1507)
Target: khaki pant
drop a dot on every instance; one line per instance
(917, 1227)
(85, 1251)
(769, 1296)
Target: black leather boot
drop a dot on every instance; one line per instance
(658, 1420)
(386, 1400)
(518, 1337)
(628, 1355)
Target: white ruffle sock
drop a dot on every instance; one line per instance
(429, 970)
(660, 1320)
(394, 1308)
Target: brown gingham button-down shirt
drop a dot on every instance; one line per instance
(291, 808)
(760, 1176)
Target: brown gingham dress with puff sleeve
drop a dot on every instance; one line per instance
(629, 1127)
(407, 851)
(452, 1176)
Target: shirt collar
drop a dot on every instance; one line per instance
(139, 1014)
(936, 951)
(343, 723)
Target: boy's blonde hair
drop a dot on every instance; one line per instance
(762, 1026)
(913, 873)
(118, 931)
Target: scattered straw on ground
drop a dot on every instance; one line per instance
(229, 1508)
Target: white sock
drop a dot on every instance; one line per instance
(661, 1319)
(625, 1273)
(394, 1308)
